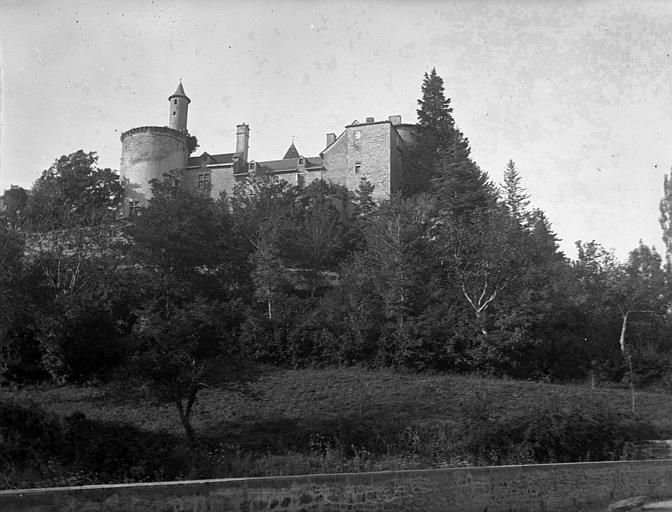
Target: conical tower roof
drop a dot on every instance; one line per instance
(291, 152)
(179, 92)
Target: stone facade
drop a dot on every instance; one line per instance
(372, 150)
(146, 154)
(546, 487)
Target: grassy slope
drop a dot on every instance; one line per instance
(294, 402)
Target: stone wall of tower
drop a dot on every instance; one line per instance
(333, 161)
(396, 161)
(146, 154)
(371, 151)
(408, 133)
(223, 180)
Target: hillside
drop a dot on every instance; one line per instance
(317, 421)
(308, 397)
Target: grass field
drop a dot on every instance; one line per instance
(327, 420)
(291, 399)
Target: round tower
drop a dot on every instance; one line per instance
(179, 105)
(147, 153)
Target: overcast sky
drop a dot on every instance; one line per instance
(578, 94)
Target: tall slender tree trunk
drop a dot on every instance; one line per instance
(628, 359)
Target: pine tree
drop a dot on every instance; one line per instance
(435, 112)
(461, 187)
(666, 214)
(515, 198)
(364, 203)
(441, 159)
(436, 130)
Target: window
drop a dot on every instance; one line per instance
(173, 112)
(174, 102)
(301, 161)
(358, 167)
(252, 166)
(133, 208)
(358, 134)
(203, 182)
(301, 180)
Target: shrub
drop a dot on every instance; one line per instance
(27, 435)
(80, 344)
(37, 448)
(545, 434)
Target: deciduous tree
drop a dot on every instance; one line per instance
(74, 191)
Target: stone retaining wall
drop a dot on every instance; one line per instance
(532, 488)
(648, 450)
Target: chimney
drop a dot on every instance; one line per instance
(369, 120)
(242, 141)
(395, 120)
(331, 138)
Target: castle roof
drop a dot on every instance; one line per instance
(290, 164)
(291, 152)
(179, 92)
(220, 159)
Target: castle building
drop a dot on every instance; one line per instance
(372, 149)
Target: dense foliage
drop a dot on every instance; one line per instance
(454, 273)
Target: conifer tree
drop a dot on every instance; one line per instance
(460, 186)
(441, 161)
(666, 214)
(515, 198)
(435, 113)
(363, 199)
(436, 130)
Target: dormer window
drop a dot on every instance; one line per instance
(302, 160)
(252, 166)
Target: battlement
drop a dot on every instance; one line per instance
(154, 129)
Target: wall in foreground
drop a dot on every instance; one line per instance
(508, 488)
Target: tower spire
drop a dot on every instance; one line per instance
(179, 106)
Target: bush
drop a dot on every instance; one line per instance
(37, 448)
(21, 357)
(546, 434)
(27, 435)
(80, 344)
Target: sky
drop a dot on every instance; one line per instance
(578, 94)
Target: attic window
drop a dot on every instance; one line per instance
(358, 134)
